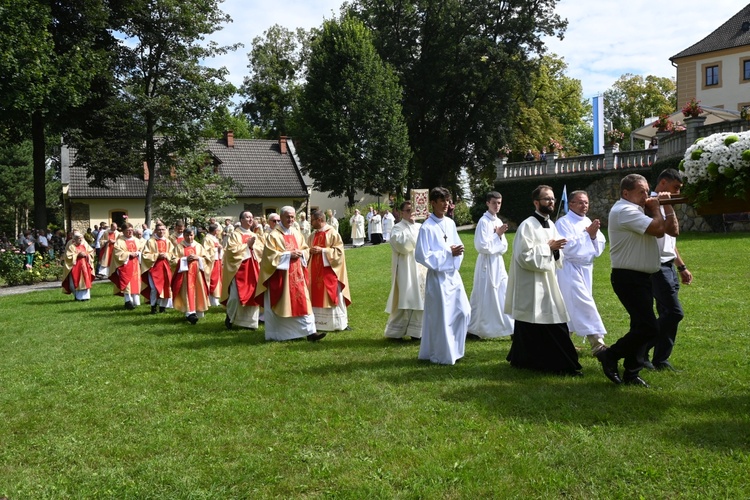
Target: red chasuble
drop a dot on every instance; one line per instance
(81, 270)
(190, 278)
(107, 259)
(324, 280)
(247, 278)
(129, 272)
(297, 282)
(216, 270)
(161, 274)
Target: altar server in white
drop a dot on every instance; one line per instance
(446, 309)
(406, 300)
(490, 277)
(585, 242)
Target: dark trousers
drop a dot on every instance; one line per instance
(634, 290)
(666, 286)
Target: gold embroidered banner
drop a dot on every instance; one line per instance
(420, 203)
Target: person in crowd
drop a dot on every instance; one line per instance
(388, 222)
(304, 225)
(665, 281)
(490, 278)
(375, 226)
(329, 283)
(226, 230)
(57, 242)
(178, 234)
(541, 339)
(125, 269)
(283, 283)
(214, 255)
(146, 231)
(635, 223)
(585, 242)
(405, 304)
(29, 247)
(357, 223)
(368, 217)
(240, 274)
(79, 268)
(332, 220)
(157, 260)
(529, 156)
(447, 311)
(189, 284)
(42, 242)
(107, 239)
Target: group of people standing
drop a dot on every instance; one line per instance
(548, 293)
(379, 227)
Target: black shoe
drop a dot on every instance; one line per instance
(609, 367)
(314, 337)
(648, 365)
(162, 309)
(637, 381)
(153, 309)
(192, 318)
(418, 339)
(348, 328)
(228, 323)
(473, 336)
(129, 306)
(665, 366)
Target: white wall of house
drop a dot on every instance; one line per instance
(323, 202)
(733, 90)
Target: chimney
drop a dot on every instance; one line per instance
(282, 144)
(229, 138)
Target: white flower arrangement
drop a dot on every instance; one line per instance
(717, 165)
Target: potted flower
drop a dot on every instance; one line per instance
(614, 136)
(504, 151)
(692, 109)
(663, 123)
(717, 173)
(744, 112)
(553, 145)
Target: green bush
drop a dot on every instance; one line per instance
(461, 214)
(14, 273)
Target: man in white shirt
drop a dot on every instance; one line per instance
(490, 278)
(585, 242)
(388, 222)
(665, 282)
(635, 222)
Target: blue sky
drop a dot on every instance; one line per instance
(604, 40)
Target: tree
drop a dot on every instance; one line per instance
(17, 196)
(220, 120)
(634, 98)
(193, 191)
(350, 132)
(52, 52)
(155, 108)
(277, 66)
(462, 65)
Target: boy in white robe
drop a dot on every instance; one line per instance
(490, 277)
(447, 310)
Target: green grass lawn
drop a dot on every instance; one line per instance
(99, 402)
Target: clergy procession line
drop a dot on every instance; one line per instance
(296, 273)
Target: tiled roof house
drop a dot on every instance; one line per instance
(266, 176)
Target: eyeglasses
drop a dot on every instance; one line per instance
(548, 200)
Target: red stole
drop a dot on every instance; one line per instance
(111, 237)
(247, 276)
(81, 269)
(295, 280)
(161, 274)
(324, 280)
(126, 273)
(216, 272)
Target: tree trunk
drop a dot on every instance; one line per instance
(151, 165)
(40, 178)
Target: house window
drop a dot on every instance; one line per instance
(746, 70)
(118, 217)
(712, 76)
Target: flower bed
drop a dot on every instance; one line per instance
(718, 168)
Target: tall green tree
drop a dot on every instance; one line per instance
(350, 132)
(17, 196)
(161, 95)
(221, 119)
(633, 98)
(192, 191)
(462, 65)
(52, 52)
(277, 68)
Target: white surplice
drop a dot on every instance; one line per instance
(575, 277)
(406, 300)
(388, 222)
(533, 294)
(447, 310)
(490, 281)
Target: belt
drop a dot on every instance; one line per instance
(669, 263)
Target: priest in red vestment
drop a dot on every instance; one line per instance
(329, 284)
(241, 268)
(156, 269)
(79, 268)
(106, 250)
(214, 255)
(283, 283)
(189, 284)
(125, 270)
